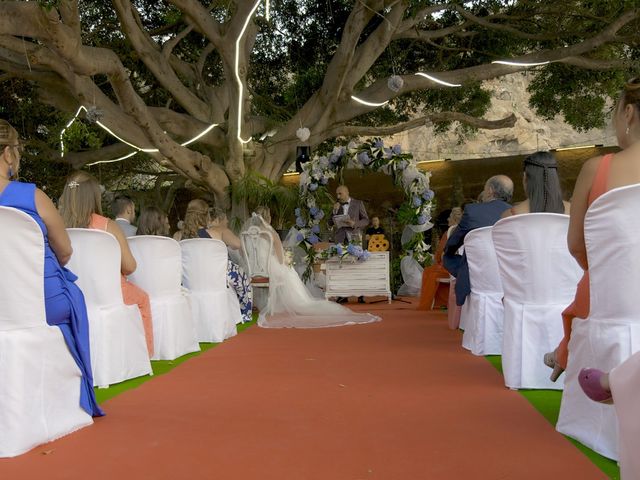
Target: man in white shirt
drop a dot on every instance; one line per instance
(124, 211)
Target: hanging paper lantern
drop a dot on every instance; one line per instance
(303, 134)
(395, 83)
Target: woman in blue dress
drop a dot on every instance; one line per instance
(64, 302)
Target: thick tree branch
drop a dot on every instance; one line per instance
(356, 130)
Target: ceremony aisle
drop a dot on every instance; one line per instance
(397, 399)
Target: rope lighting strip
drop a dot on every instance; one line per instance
(520, 64)
(111, 132)
(369, 104)
(237, 66)
(437, 80)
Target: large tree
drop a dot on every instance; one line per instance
(158, 73)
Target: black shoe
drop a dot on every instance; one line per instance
(342, 300)
(361, 299)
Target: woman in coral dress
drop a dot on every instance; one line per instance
(81, 207)
(432, 273)
(597, 176)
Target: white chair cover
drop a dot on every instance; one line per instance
(118, 346)
(39, 380)
(482, 312)
(539, 278)
(204, 273)
(611, 333)
(159, 273)
(625, 387)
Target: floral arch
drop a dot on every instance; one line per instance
(414, 214)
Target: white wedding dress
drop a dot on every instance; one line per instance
(289, 303)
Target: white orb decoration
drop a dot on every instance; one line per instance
(395, 83)
(303, 134)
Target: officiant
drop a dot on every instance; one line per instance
(349, 217)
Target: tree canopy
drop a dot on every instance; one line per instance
(158, 74)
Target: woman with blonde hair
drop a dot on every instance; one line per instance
(195, 218)
(64, 303)
(81, 207)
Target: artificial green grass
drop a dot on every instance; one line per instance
(547, 402)
(159, 367)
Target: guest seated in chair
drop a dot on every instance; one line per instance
(81, 207)
(495, 197)
(542, 186)
(597, 176)
(153, 221)
(432, 273)
(124, 211)
(198, 223)
(64, 302)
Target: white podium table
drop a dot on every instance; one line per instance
(350, 277)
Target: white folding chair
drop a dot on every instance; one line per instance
(611, 333)
(159, 273)
(482, 313)
(118, 346)
(539, 278)
(39, 379)
(257, 245)
(204, 272)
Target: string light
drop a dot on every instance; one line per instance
(437, 80)
(520, 64)
(113, 134)
(369, 104)
(237, 72)
(267, 10)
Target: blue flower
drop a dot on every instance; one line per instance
(313, 239)
(324, 181)
(387, 153)
(314, 211)
(315, 229)
(397, 149)
(422, 219)
(428, 195)
(297, 212)
(378, 143)
(299, 238)
(333, 158)
(300, 222)
(313, 187)
(320, 215)
(365, 255)
(339, 249)
(417, 201)
(363, 158)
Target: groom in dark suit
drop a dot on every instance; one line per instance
(358, 218)
(495, 197)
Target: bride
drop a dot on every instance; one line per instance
(289, 303)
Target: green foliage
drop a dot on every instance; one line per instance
(579, 95)
(255, 189)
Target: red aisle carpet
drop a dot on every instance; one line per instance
(398, 399)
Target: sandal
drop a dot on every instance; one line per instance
(551, 361)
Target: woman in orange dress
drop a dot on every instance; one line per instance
(597, 176)
(432, 273)
(81, 207)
